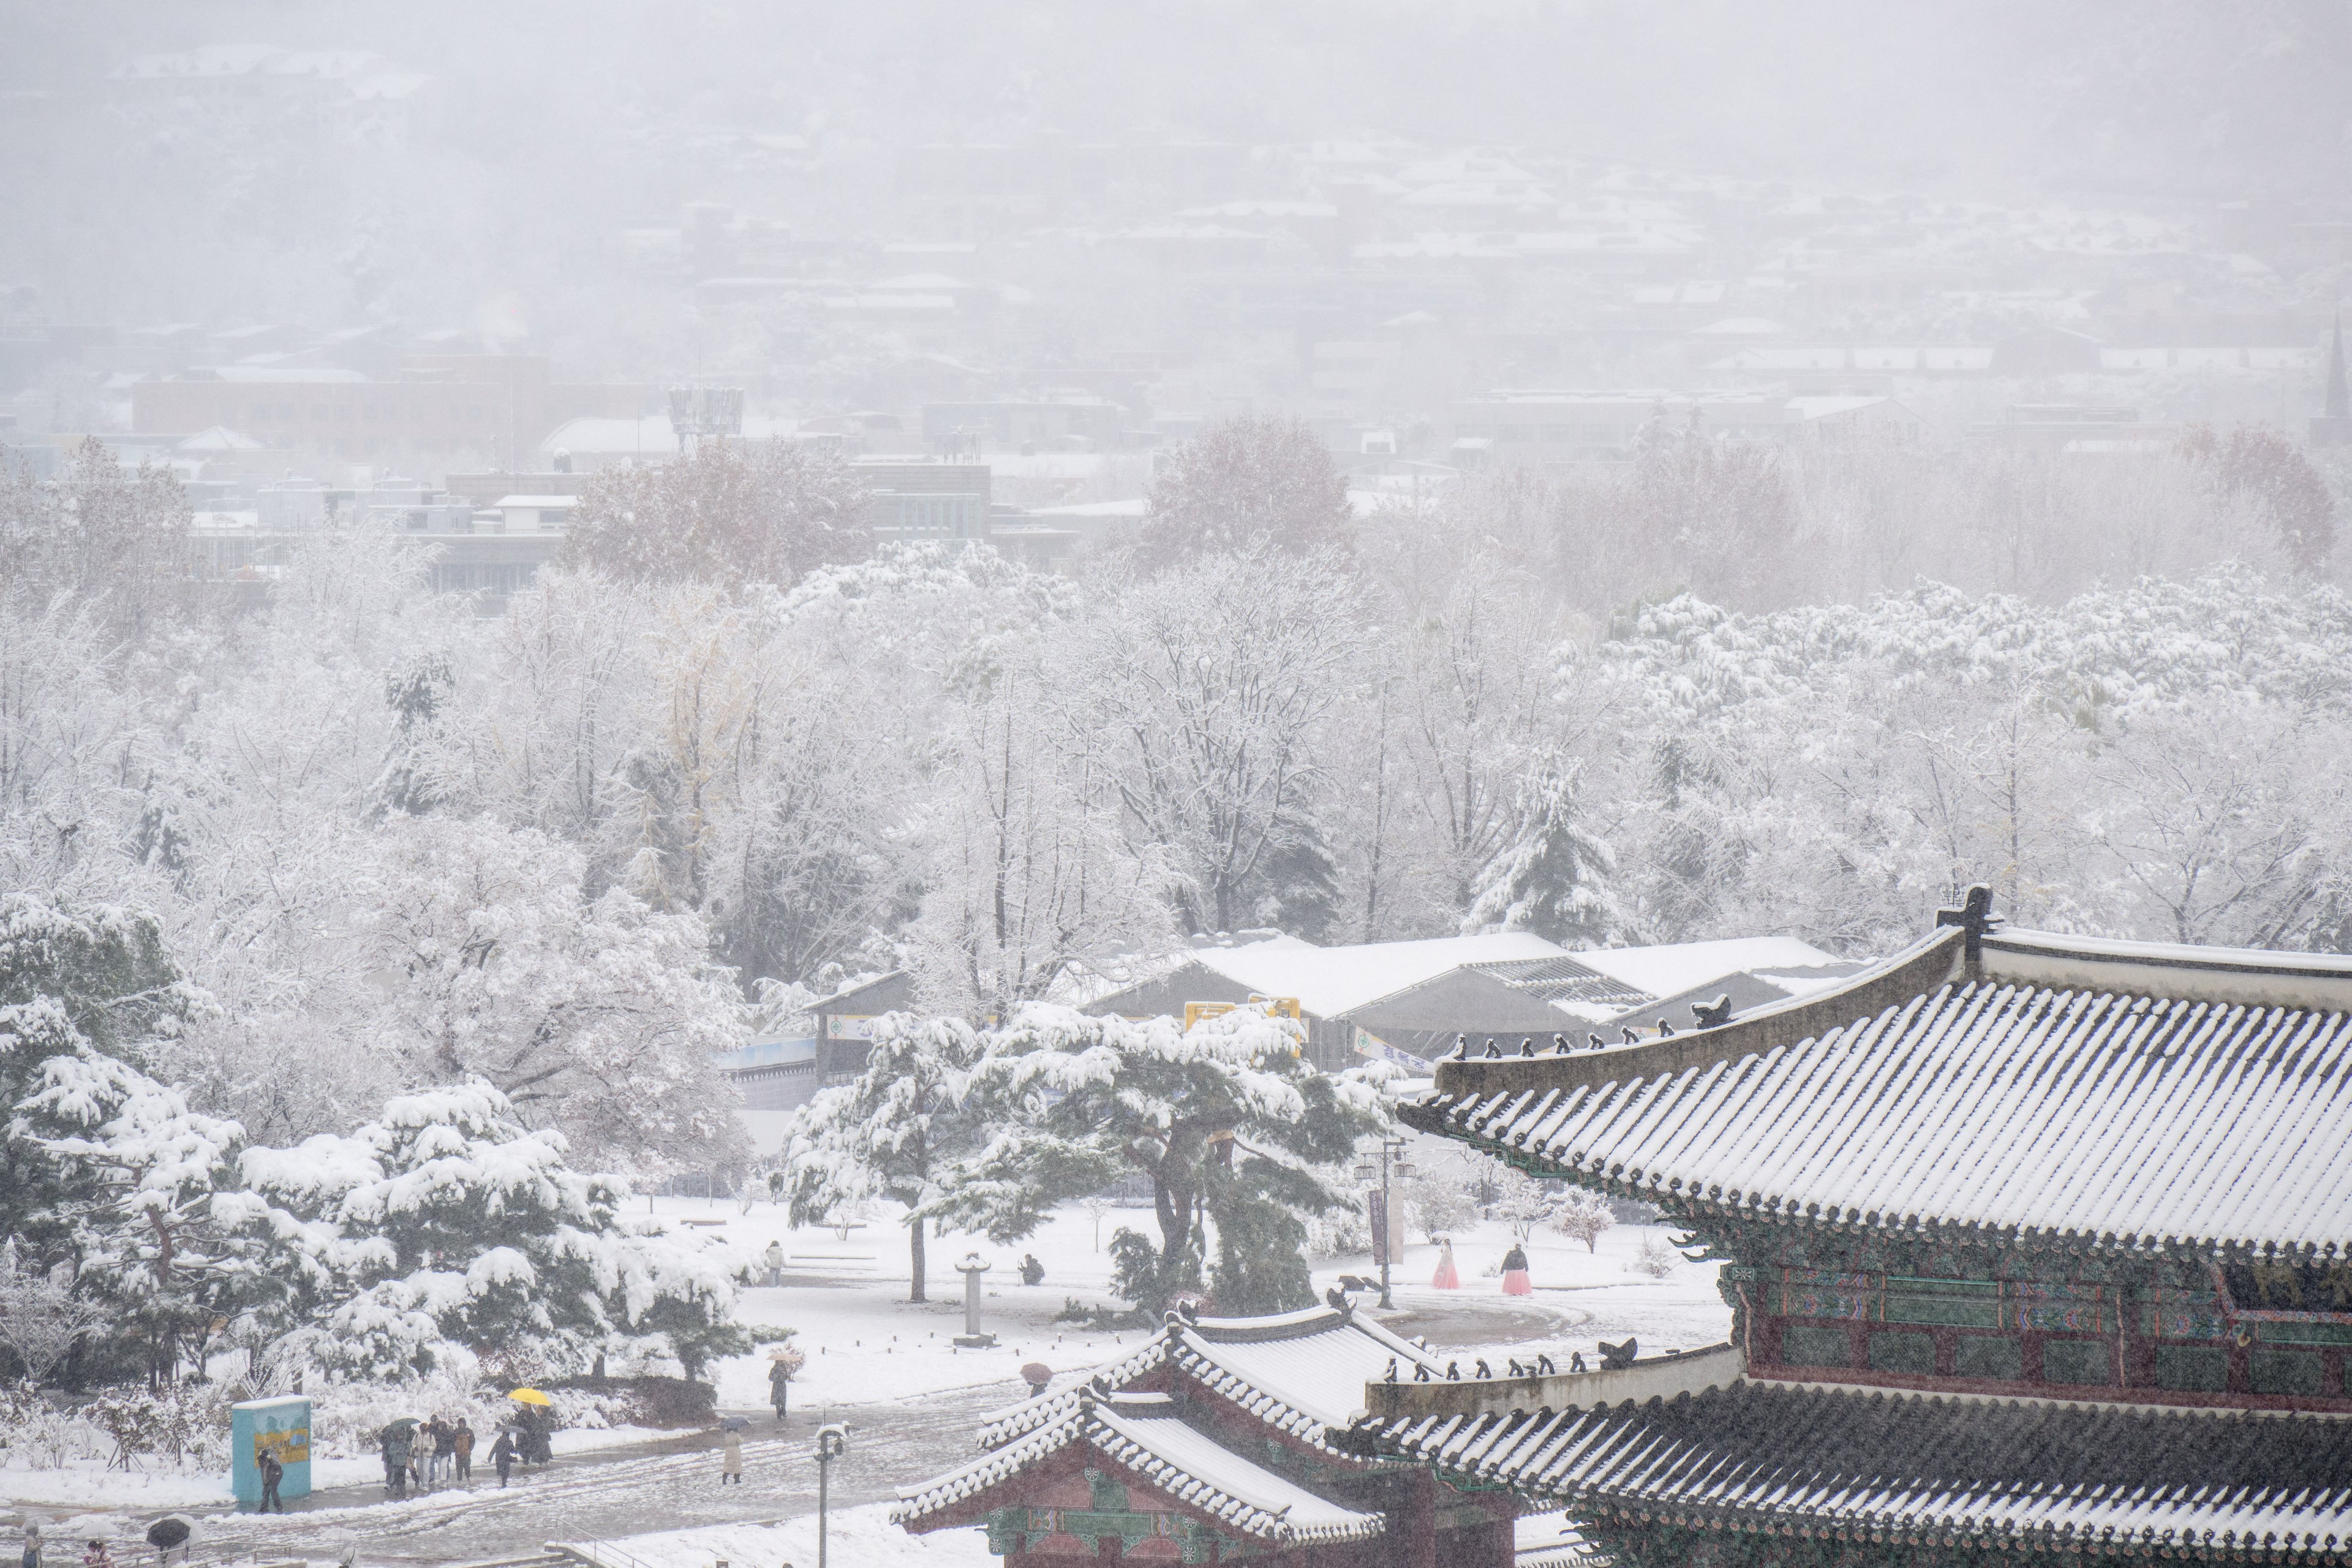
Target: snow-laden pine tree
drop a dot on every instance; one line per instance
(1553, 876)
(1236, 1131)
(901, 1132)
(445, 1223)
(133, 1175)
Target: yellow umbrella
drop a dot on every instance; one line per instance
(530, 1397)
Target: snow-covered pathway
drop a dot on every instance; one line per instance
(602, 1497)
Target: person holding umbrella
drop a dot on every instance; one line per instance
(781, 1365)
(398, 1441)
(172, 1530)
(531, 1446)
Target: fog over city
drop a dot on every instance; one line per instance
(667, 671)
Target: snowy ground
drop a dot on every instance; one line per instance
(864, 1344)
(889, 1369)
(88, 1482)
(863, 1536)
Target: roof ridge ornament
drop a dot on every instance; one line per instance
(1974, 915)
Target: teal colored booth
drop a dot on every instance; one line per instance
(282, 1425)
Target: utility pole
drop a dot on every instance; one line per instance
(1392, 1165)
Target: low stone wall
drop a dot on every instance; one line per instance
(1658, 1377)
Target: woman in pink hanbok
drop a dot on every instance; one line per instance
(1446, 1279)
(1515, 1272)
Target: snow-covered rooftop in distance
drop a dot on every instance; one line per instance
(1664, 970)
(1328, 981)
(219, 438)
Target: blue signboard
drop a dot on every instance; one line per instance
(280, 1425)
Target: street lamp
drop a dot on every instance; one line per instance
(1392, 1165)
(831, 1441)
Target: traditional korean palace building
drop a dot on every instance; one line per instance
(2036, 1247)
(1221, 1440)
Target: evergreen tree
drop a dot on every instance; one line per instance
(78, 983)
(1228, 1120)
(130, 1175)
(1551, 877)
(901, 1132)
(444, 1222)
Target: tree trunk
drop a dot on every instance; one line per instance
(914, 1250)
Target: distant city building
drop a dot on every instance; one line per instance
(445, 410)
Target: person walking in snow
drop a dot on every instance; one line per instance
(1446, 1278)
(32, 1543)
(273, 1471)
(502, 1454)
(1515, 1272)
(774, 1260)
(443, 1452)
(730, 1463)
(462, 1442)
(1032, 1272)
(397, 1443)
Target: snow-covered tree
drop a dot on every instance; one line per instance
(1553, 875)
(41, 1320)
(724, 513)
(135, 1173)
(1235, 1128)
(446, 1223)
(597, 1015)
(1583, 1214)
(901, 1132)
(78, 984)
(1440, 1202)
(100, 533)
(1245, 482)
(1026, 874)
(1523, 1202)
(1207, 691)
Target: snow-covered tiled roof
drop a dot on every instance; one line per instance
(2124, 1099)
(1301, 1372)
(1918, 1470)
(1000, 1427)
(1147, 1435)
(1551, 1540)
